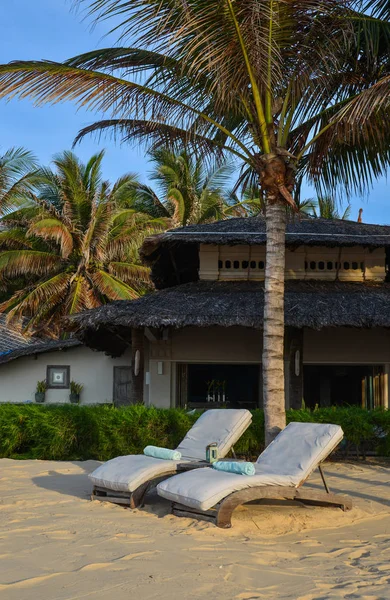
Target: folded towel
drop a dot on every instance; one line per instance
(241, 468)
(164, 453)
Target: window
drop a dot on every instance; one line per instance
(235, 266)
(57, 377)
(329, 265)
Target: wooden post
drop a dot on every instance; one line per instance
(294, 354)
(137, 366)
(385, 376)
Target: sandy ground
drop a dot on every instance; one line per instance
(57, 545)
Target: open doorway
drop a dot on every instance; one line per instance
(344, 385)
(219, 385)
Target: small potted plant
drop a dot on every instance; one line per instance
(75, 391)
(41, 391)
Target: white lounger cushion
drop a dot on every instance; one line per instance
(288, 461)
(127, 473)
(224, 426)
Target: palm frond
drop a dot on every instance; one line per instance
(13, 239)
(112, 287)
(130, 273)
(28, 262)
(53, 229)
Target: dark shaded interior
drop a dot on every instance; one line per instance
(233, 386)
(341, 385)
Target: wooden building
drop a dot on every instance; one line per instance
(197, 341)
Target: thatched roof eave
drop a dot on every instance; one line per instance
(311, 304)
(39, 347)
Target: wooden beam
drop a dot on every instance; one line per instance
(150, 335)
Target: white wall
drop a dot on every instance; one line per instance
(94, 370)
(161, 387)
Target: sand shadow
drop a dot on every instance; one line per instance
(73, 484)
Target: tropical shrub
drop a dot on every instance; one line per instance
(100, 432)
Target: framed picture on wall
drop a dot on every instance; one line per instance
(58, 377)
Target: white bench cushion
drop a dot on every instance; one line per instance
(288, 461)
(127, 473)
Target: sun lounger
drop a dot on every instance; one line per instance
(281, 470)
(126, 479)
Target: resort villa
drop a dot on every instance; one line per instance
(25, 361)
(197, 341)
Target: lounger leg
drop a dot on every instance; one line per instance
(134, 499)
(323, 499)
(137, 497)
(230, 503)
(107, 495)
(323, 479)
(226, 507)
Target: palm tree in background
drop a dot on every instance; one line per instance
(326, 208)
(252, 204)
(292, 89)
(187, 193)
(18, 175)
(73, 245)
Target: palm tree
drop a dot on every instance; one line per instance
(72, 245)
(252, 204)
(187, 193)
(17, 177)
(291, 89)
(327, 209)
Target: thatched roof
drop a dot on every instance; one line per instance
(173, 256)
(313, 304)
(14, 345)
(303, 230)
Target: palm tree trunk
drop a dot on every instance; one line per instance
(273, 335)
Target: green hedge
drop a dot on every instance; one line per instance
(102, 432)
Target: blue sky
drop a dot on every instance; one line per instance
(49, 29)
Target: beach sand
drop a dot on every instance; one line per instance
(57, 545)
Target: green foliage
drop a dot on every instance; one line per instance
(76, 388)
(72, 432)
(72, 245)
(41, 386)
(186, 191)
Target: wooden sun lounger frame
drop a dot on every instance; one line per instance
(135, 499)
(221, 513)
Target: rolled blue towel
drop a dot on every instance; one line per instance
(240, 468)
(164, 453)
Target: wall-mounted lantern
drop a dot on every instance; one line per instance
(297, 363)
(137, 361)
